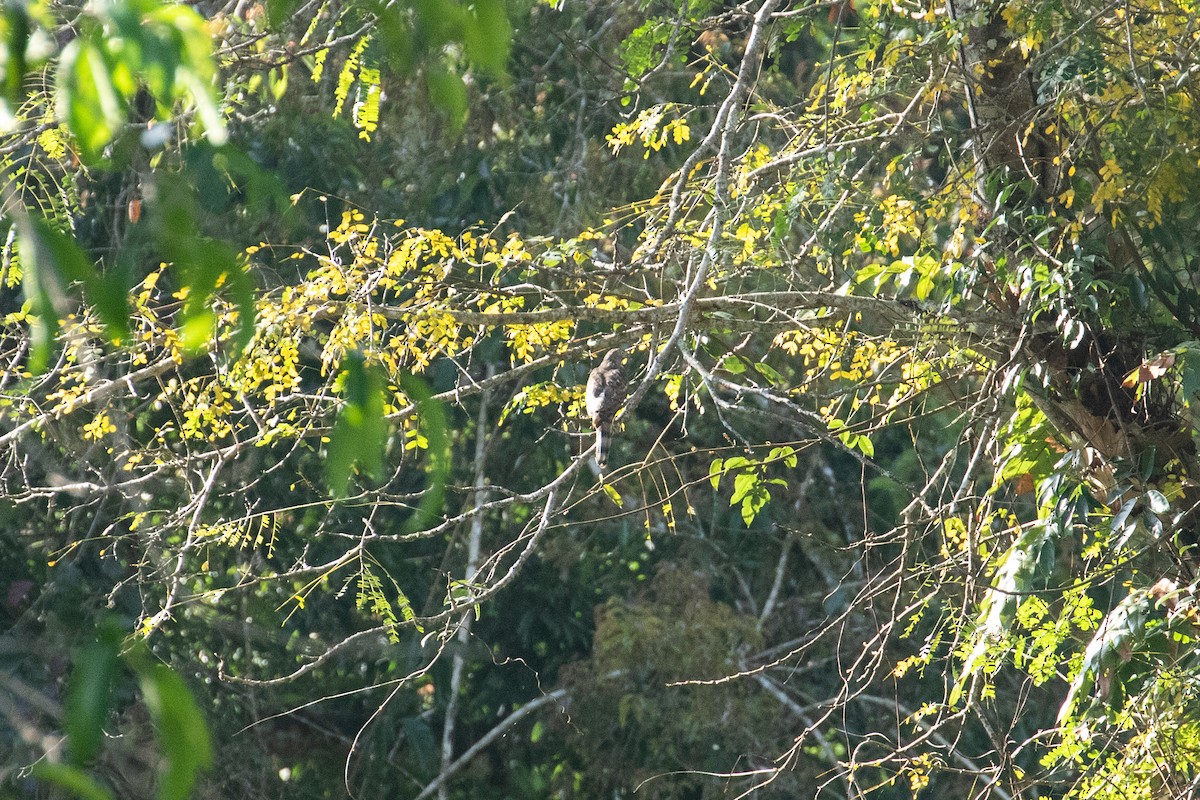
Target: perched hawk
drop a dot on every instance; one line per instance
(605, 393)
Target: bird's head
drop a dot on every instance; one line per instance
(613, 358)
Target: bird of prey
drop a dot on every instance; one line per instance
(605, 393)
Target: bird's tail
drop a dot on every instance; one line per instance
(603, 444)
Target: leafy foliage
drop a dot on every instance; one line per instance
(181, 732)
(906, 488)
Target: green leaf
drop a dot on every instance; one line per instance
(205, 265)
(165, 48)
(182, 732)
(360, 434)
(868, 272)
(715, 471)
(207, 110)
(641, 48)
(786, 454)
(770, 373)
(53, 261)
(1189, 372)
(225, 176)
(865, 446)
(279, 11)
(173, 216)
(733, 364)
(196, 327)
(736, 462)
(19, 29)
(432, 417)
(43, 322)
(90, 694)
(754, 502)
(87, 100)
(395, 35)
(108, 294)
(488, 36)
(241, 287)
(743, 484)
(440, 21)
(449, 94)
(924, 287)
(71, 779)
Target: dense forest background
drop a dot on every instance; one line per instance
(299, 301)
